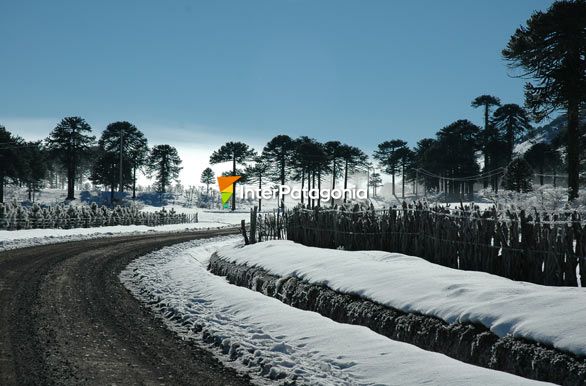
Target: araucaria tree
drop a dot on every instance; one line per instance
(518, 176)
(334, 151)
(277, 153)
(207, 178)
(486, 102)
(125, 146)
(511, 121)
(388, 158)
(164, 164)
(375, 181)
(8, 157)
(353, 159)
(235, 152)
(71, 140)
(256, 174)
(551, 49)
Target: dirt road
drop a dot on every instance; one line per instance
(65, 318)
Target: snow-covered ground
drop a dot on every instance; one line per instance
(551, 315)
(33, 237)
(267, 339)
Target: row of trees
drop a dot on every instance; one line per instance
(549, 50)
(72, 151)
(304, 160)
(452, 155)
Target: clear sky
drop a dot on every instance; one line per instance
(197, 73)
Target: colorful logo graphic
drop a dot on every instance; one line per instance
(226, 185)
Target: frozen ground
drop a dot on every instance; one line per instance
(33, 237)
(551, 315)
(267, 339)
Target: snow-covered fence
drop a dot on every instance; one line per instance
(14, 216)
(542, 248)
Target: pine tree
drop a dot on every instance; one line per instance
(235, 152)
(518, 176)
(486, 102)
(512, 121)
(164, 163)
(551, 48)
(129, 143)
(207, 178)
(277, 153)
(375, 181)
(256, 174)
(8, 158)
(70, 140)
(386, 155)
(543, 156)
(353, 159)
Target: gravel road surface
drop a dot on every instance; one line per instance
(65, 318)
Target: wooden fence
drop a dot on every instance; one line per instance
(542, 248)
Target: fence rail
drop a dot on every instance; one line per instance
(542, 248)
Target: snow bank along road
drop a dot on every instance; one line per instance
(65, 318)
(276, 343)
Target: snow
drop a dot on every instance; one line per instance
(267, 339)
(34, 237)
(551, 315)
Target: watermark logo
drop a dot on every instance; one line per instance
(226, 184)
(296, 193)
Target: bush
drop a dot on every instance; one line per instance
(13, 216)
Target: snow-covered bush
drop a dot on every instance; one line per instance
(14, 216)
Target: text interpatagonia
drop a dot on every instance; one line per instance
(324, 194)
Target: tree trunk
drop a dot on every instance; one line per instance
(234, 186)
(282, 197)
(486, 158)
(319, 187)
(403, 183)
(1, 189)
(393, 182)
(302, 184)
(333, 180)
(573, 156)
(112, 194)
(345, 179)
(259, 196)
(134, 183)
(71, 181)
(541, 171)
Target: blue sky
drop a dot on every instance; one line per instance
(196, 73)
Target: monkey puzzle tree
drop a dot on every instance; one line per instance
(70, 140)
(486, 101)
(277, 154)
(376, 181)
(164, 163)
(207, 178)
(129, 143)
(551, 49)
(511, 121)
(256, 174)
(8, 156)
(386, 155)
(235, 152)
(353, 159)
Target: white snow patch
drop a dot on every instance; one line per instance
(551, 315)
(33, 237)
(267, 339)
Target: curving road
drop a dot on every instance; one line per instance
(65, 318)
